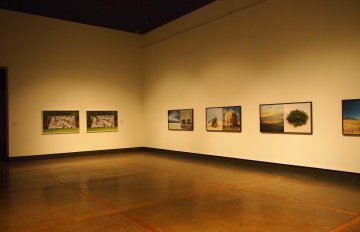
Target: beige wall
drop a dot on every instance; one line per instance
(59, 65)
(274, 52)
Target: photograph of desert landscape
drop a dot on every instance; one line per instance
(272, 118)
(351, 117)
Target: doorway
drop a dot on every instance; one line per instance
(4, 139)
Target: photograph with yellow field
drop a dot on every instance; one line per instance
(351, 117)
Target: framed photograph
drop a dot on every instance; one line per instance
(292, 118)
(60, 121)
(101, 121)
(351, 117)
(223, 119)
(181, 119)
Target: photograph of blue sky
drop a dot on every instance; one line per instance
(351, 109)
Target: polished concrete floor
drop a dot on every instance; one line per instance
(142, 191)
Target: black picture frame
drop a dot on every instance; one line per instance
(60, 122)
(286, 118)
(223, 119)
(101, 121)
(181, 120)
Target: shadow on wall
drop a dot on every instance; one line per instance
(3, 115)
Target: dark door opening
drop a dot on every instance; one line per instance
(4, 140)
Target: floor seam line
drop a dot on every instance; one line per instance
(318, 205)
(351, 223)
(67, 221)
(149, 227)
(245, 188)
(116, 210)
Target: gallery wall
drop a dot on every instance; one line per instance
(59, 65)
(274, 51)
(277, 51)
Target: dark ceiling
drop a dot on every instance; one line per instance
(138, 16)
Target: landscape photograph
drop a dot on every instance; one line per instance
(174, 120)
(60, 122)
(272, 118)
(351, 117)
(297, 118)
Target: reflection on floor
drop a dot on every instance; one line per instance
(143, 191)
